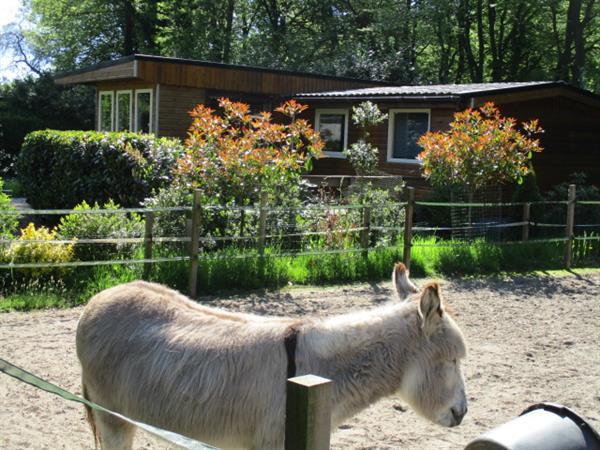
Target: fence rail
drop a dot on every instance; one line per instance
(198, 247)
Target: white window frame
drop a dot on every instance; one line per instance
(391, 118)
(346, 113)
(112, 110)
(130, 92)
(144, 91)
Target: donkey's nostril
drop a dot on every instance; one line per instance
(458, 416)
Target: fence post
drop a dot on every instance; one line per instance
(408, 223)
(526, 219)
(366, 231)
(262, 221)
(308, 413)
(148, 243)
(569, 227)
(194, 245)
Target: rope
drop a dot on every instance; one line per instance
(92, 263)
(35, 381)
(37, 212)
(483, 205)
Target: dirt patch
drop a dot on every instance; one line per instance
(531, 339)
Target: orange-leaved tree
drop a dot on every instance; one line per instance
(234, 155)
(480, 149)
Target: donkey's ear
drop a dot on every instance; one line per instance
(402, 285)
(430, 308)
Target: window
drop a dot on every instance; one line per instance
(333, 126)
(123, 111)
(143, 110)
(105, 111)
(405, 127)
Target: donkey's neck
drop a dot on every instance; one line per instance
(365, 354)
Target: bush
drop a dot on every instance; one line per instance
(9, 219)
(59, 169)
(234, 156)
(36, 246)
(100, 225)
(481, 148)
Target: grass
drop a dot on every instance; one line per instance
(215, 275)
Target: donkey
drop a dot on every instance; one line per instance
(152, 354)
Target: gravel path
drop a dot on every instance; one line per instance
(531, 339)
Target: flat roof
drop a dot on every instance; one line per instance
(442, 91)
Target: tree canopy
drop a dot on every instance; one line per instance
(403, 41)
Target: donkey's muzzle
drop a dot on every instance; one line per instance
(458, 416)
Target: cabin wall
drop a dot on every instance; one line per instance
(440, 117)
(571, 140)
(174, 104)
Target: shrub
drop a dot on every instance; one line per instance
(233, 156)
(100, 225)
(59, 169)
(363, 156)
(9, 219)
(37, 246)
(480, 149)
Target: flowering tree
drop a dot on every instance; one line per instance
(480, 149)
(363, 156)
(233, 156)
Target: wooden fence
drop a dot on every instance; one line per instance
(193, 240)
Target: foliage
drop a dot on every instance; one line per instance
(9, 219)
(362, 155)
(59, 169)
(230, 158)
(481, 148)
(33, 103)
(35, 245)
(100, 225)
(584, 214)
(436, 41)
(170, 224)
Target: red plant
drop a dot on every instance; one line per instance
(481, 148)
(236, 154)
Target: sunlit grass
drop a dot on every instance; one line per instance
(236, 269)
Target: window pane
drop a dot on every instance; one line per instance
(123, 111)
(106, 105)
(142, 119)
(408, 128)
(332, 129)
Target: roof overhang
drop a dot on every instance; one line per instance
(126, 68)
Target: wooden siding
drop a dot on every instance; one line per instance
(571, 140)
(237, 79)
(126, 70)
(173, 105)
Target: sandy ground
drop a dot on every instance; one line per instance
(531, 339)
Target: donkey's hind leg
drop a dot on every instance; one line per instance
(113, 433)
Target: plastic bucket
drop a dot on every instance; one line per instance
(544, 426)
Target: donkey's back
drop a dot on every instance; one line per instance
(153, 355)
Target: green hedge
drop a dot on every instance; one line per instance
(59, 169)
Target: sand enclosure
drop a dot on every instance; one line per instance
(530, 339)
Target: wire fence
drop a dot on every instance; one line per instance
(198, 232)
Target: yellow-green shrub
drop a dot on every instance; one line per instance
(36, 246)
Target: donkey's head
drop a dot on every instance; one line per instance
(433, 383)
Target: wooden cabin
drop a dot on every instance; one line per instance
(154, 94)
(569, 116)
